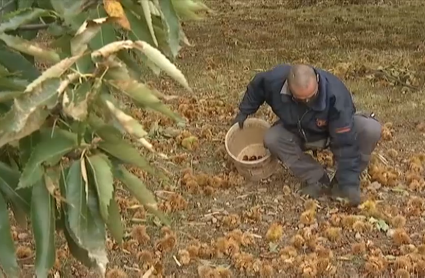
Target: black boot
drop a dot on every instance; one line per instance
(352, 193)
(317, 189)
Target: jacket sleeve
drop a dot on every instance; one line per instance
(254, 96)
(344, 145)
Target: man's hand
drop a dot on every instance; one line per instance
(240, 119)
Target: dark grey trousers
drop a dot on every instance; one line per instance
(287, 147)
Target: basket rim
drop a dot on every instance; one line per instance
(235, 127)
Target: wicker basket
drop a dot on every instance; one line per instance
(249, 142)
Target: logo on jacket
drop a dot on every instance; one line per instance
(321, 123)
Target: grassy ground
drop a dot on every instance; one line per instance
(222, 224)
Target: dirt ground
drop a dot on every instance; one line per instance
(224, 226)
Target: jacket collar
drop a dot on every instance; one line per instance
(319, 103)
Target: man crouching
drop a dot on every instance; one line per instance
(315, 111)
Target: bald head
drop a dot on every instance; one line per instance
(302, 81)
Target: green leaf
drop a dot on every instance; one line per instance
(146, 62)
(173, 25)
(29, 36)
(102, 179)
(139, 31)
(26, 104)
(33, 123)
(50, 151)
(14, 62)
(12, 157)
(161, 31)
(86, 230)
(7, 255)
(125, 152)
(148, 17)
(44, 4)
(139, 28)
(24, 108)
(129, 124)
(140, 93)
(96, 234)
(114, 144)
(163, 63)
(4, 71)
(56, 29)
(55, 133)
(49, 133)
(76, 251)
(54, 71)
(114, 222)
(22, 4)
(139, 190)
(15, 84)
(135, 69)
(26, 145)
(63, 43)
(106, 34)
(79, 43)
(184, 38)
(4, 108)
(9, 95)
(30, 48)
(7, 7)
(71, 11)
(9, 179)
(186, 9)
(22, 17)
(105, 131)
(43, 223)
(77, 202)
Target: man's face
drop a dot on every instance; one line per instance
(307, 93)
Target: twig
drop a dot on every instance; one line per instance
(148, 273)
(135, 207)
(164, 192)
(212, 214)
(177, 261)
(245, 195)
(255, 235)
(137, 220)
(269, 256)
(26, 258)
(192, 223)
(382, 159)
(132, 268)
